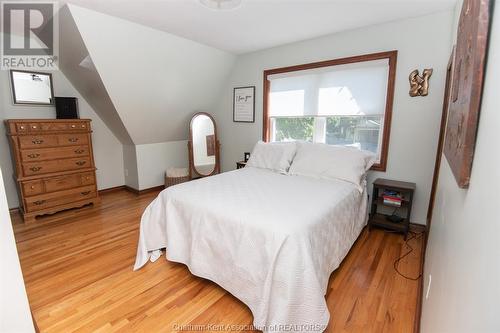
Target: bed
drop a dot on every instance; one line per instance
(271, 240)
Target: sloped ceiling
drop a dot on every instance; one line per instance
(155, 81)
(86, 79)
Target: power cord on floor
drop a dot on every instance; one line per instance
(414, 235)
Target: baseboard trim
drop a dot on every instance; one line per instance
(112, 189)
(415, 227)
(420, 289)
(147, 190)
(13, 210)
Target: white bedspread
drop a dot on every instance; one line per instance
(270, 240)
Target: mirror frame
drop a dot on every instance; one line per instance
(193, 173)
(16, 102)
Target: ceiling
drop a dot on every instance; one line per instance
(261, 24)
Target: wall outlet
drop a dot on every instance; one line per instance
(428, 287)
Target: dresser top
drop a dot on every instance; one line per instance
(46, 126)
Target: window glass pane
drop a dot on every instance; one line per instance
(293, 128)
(363, 132)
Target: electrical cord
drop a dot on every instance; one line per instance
(414, 235)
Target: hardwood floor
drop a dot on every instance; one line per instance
(77, 267)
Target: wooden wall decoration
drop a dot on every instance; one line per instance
(419, 84)
(467, 85)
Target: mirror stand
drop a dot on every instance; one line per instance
(193, 173)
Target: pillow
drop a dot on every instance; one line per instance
(332, 162)
(275, 156)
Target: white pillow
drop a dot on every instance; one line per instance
(332, 162)
(275, 156)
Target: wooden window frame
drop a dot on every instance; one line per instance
(390, 55)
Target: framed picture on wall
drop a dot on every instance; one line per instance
(244, 104)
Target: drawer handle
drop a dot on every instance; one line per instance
(80, 163)
(35, 169)
(79, 151)
(39, 202)
(33, 155)
(85, 193)
(73, 139)
(37, 141)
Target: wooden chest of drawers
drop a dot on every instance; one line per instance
(53, 163)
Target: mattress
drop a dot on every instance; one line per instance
(271, 240)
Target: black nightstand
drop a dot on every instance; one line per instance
(381, 209)
(240, 164)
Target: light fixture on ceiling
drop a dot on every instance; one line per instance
(221, 4)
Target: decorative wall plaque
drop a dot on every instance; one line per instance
(467, 86)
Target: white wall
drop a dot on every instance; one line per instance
(155, 80)
(108, 153)
(130, 166)
(422, 42)
(15, 313)
(86, 80)
(154, 159)
(463, 250)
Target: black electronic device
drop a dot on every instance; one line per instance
(66, 107)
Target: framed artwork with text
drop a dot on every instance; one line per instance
(244, 104)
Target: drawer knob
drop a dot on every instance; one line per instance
(33, 127)
(35, 169)
(87, 178)
(73, 139)
(80, 163)
(21, 127)
(37, 141)
(85, 193)
(32, 187)
(79, 151)
(33, 155)
(83, 126)
(73, 126)
(39, 202)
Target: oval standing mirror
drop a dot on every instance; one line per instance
(203, 146)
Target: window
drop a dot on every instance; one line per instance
(339, 102)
